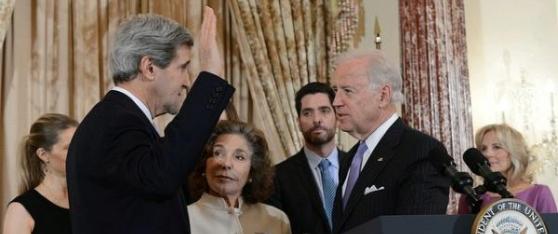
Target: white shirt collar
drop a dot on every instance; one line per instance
(314, 162)
(374, 138)
(314, 159)
(136, 100)
(371, 142)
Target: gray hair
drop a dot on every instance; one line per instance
(145, 35)
(379, 71)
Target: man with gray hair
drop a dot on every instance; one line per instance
(122, 176)
(390, 171)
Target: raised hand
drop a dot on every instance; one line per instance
(210, 59)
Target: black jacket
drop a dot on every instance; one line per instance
(124, 178)
(298, 195)
(401, 170)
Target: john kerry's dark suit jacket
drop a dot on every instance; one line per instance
(401, 170)
(298, 195)
(123, 178)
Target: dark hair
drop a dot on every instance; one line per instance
(44, 134)
(261, 171)
(312, 88)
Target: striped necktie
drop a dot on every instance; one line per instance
(328, 186)
(354, 171)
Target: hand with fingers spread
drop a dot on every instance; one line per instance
(210, 58)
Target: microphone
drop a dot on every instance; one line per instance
(493, 181)
(461, 182)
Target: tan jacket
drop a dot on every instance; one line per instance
(211, 214)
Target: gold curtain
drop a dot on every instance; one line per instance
(282, 46)
(6, 12)
(54, 59)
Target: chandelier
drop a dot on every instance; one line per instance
(547, 150)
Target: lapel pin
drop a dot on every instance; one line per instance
(380, 159)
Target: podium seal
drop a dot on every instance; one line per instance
(508, 216)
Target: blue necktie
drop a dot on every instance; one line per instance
(355, 171)
(328, 186)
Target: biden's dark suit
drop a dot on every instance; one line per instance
(399, 178)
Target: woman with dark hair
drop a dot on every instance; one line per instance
(42, 206)
(232, 180)
(506, 150)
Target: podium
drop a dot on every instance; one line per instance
(432, 224)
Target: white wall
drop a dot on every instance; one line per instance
(387, 12)
(513, 67)
(506, 40)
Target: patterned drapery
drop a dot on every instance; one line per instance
(282, 45)
(435, 74)
(6, 9)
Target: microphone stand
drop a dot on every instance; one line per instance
(496, 183)
(475, 205)
(494, 186)
(462, 183)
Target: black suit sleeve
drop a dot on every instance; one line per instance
(158, 168)
(276, 198)
(424, 190)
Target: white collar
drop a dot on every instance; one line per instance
(374, 138)
(219, 203)
(136, 100)
(314, 159)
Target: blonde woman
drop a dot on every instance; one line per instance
(506, 150)
(42, 206)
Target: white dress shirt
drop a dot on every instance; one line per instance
(372, 141)
(314, 162)
(138, 103)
